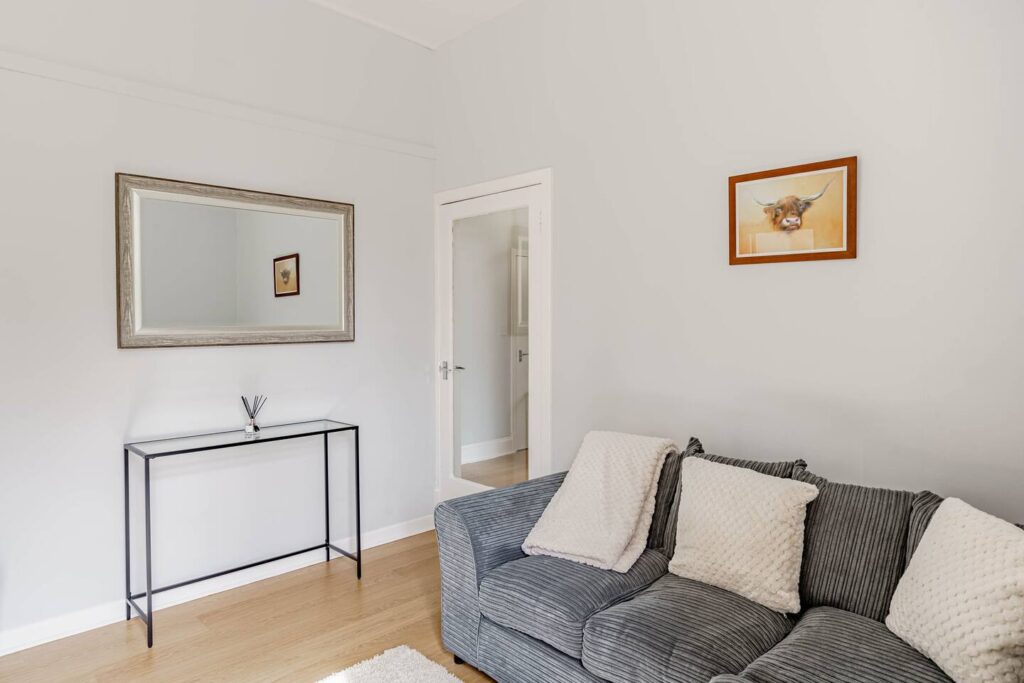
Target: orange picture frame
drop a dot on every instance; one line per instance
(806, 212)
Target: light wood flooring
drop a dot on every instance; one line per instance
(299, 626)
(504, 470)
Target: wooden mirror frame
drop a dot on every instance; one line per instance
(129, 189)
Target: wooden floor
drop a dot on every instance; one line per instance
(299, 626)
(504, 470)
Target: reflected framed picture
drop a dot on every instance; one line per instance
(286, 275)
(797, 213)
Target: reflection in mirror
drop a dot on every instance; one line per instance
(213, 266)
(490, 257)
(208, 265)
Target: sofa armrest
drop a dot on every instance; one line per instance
(474, 535)
(498, 521)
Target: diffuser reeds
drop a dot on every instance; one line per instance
(253, 408)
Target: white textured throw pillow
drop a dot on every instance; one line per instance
(961, 600)
(742, 531)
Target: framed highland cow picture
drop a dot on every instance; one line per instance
(798, 213)
(286, 275)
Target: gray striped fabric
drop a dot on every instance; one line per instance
(668, 485)
(679, 630)
(551, 599)
(475, 534)
(783, 468)
(460, 607)
(921, 510)
(854, 546)
(834, 646)
(512, 657)
(775, 469)
(498, 521)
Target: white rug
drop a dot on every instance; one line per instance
(400, 664)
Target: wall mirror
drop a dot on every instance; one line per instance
(203, 265)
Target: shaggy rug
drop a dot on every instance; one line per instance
(400, 664)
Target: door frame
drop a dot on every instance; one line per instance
(534, 190)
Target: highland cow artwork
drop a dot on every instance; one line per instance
(798, 213)
(286, 275)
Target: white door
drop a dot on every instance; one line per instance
(492, 308)
(519, 310)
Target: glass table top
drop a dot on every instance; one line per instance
(238, 437)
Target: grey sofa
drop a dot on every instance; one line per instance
(540, 619)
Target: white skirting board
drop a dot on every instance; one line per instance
(54, 628)
(487, 450)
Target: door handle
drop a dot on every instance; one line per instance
(445, 369)
(522, 354)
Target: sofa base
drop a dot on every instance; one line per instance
(509, 656)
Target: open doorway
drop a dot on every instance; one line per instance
(491, 298)
(493, 334)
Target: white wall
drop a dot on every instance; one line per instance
(900, 368)
(189, 264)
(294, 58)
(70, 398)
(264, 236)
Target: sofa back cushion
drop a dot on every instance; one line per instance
(921, 510)
(854, 546)
(668, 485)
(776, 469)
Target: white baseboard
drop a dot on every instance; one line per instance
(55, 628)
(487, 450)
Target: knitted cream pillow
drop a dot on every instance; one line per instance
(742, 531)
(961, 600)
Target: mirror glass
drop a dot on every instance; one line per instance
(213, 266)
(490, 316)
(225, 268)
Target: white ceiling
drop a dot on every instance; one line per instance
(427, 22)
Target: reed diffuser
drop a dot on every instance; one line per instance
(253, 408)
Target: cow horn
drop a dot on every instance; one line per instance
(762, 203)
(815, 197)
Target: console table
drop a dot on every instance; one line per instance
(149, 451)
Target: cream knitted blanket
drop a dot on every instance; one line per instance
(601, 514)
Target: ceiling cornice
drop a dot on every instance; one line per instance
(361, 18)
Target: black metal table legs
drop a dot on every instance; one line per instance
(149, 566)
(327, 506)
(359, 533)
(127, 545)
(146, 615)
(129, 599)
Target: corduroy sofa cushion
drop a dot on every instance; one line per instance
(921, 510)
(854, 546)
(668, 488)
(836, 646)
(508, 655)
(679, 630)
(551, 598)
